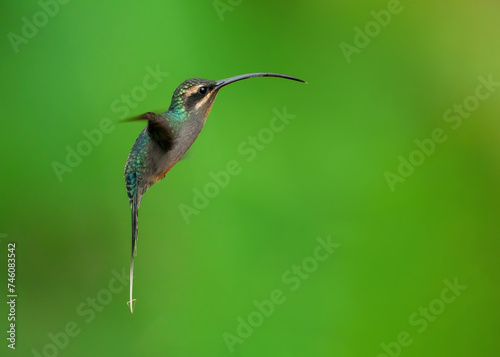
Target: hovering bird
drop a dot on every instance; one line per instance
(166, 139)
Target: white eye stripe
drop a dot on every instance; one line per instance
(201, 102)
(192, 90)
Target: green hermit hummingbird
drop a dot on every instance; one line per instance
(166, 139)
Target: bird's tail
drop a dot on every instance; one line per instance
(135, 207)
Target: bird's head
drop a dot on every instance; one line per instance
(194, 96)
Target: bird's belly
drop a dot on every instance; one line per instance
(161, 175)
(165, 163)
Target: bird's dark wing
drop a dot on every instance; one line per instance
(159, 129)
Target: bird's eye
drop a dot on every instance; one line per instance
(203, 90)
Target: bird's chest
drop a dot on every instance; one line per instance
(162, 161)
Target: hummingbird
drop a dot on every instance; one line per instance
(167, 137)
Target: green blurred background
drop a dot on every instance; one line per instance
(323, 175)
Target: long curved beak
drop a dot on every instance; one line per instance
(224, 82)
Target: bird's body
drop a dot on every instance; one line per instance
(148, 162)
(166, 139)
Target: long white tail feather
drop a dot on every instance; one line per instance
(131, 301)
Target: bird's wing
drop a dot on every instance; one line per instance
(159, 129)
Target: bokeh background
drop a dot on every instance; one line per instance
(324, 176)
